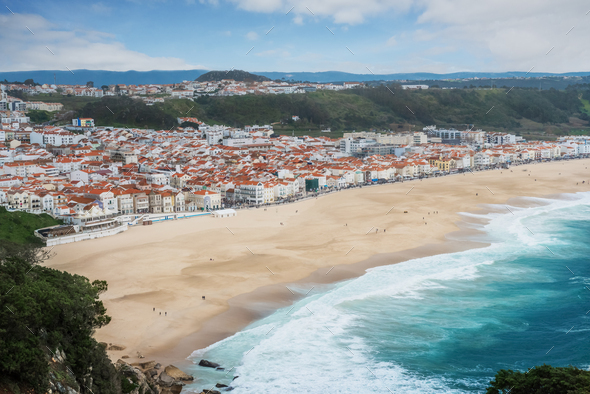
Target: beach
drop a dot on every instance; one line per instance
(251, 258)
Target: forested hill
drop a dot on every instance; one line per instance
(236, 75)
(554, 112)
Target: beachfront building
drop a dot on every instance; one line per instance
(124, 201)
(250, 192)
(225, 213)
(167, 202)
(179, 202)
(141, 201)
(204, 200)
(155, 199)
(481, 159)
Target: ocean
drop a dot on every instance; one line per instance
(439, 324)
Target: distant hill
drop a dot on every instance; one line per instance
(337, 76)
(102, 77)
(530, 112)
(236, 75)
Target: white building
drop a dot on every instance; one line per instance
(55, 136)
(500, 138)
(353, 145)
(481, 159)
(214, 137)
(237, 142)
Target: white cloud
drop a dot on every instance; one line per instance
(252, 36)
(73, 49)
(515, 35)
(487, 35)
(342, 11)
(391, 42)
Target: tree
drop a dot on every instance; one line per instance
(43, 309)
(541, 379)
(39, 116)
(89, 84)
(17, 93)
(104, 87)
(29, 82)
(190, 124)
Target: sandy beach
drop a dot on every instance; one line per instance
(250, 258)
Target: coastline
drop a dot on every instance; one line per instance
(247, 308)
(221, 317)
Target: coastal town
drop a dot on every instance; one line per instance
(100, 180)
(154, 93)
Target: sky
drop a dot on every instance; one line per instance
(377, 36)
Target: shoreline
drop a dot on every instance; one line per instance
(248, 308)
(224, 317)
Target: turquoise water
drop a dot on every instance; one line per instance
(440, 324)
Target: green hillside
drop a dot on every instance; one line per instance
(532, 113)
(18, 227)
(236, 75)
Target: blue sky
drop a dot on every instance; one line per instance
(386, 36)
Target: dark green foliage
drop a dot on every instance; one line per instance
(17, 93)
(543, 379)
(236, 75)
(128, 112)
(190, 124)
(240, 111)
(381, 107)
(41, 310)
(39, 116)
(128, 386)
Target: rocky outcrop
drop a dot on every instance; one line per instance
(147, 365)
(149, 380)
(112, 346)
(208, 364)
(176, 373)
(136, 378)
(61, 377)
